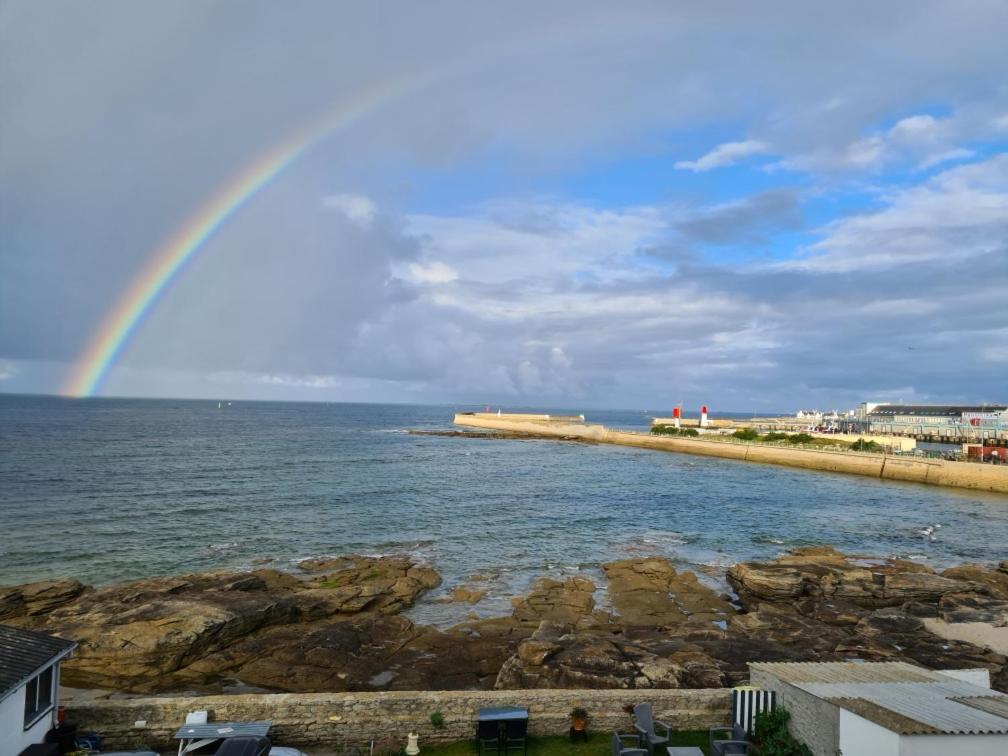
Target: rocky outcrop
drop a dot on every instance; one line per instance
(337, 625)
(157, 634)
(839, 607)
(34, 599)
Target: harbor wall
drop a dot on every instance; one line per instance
(336, 720)
(980, 477)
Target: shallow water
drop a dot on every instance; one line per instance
(107, 490)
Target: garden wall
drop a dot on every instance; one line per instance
(335, 720)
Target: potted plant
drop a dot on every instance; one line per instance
(579, 723)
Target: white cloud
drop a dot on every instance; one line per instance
(356, 207)
(955, 215)
(723, 155)
(299, 381)
(7, 370)
(433, 272)
(957, 153)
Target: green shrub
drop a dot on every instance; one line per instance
(862, 445)
(771, 734)
(691, 432)
(774, 436)
(664, 430)
(746, 434)
(437, 720)
(800, 438)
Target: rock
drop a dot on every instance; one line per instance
(565, 601)
(336, 626)
(149, 635)
(650, 592)
(40, 598)
(996, 581)
(969, 607)
(847, 580)
(467, 595)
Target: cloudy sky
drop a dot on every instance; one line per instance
(557, 204)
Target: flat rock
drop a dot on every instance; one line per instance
(561, 601)
(651, 592)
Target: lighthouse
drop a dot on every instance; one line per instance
(676, 414)
(703, 416)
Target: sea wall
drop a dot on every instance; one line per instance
(937, 472)
(342, 719)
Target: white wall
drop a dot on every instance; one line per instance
(13, 737)
(957, 745)
(859, 737)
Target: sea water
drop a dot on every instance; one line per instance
(105, 490)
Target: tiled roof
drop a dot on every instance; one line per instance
(24, 652)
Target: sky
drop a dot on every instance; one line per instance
(585, 204)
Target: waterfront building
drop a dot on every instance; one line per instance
(936, 421)
(29, 686)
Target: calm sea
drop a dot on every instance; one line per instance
(106, 490)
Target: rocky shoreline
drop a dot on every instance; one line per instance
(338, 626)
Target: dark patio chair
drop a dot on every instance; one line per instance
(644, 724)
(619, 748)
(737, 741)
(244, 746)
(515, 735)
(488, 737)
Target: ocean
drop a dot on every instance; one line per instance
(105, 490)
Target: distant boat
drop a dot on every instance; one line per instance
(218, 405)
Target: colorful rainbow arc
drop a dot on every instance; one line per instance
(171, 258)
(115, 331)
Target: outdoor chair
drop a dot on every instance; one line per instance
(645, 723)
(737, 741)
(244, 746)
(618, 745)
(488, 736)
(515, 732)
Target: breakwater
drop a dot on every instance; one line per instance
(978, 477)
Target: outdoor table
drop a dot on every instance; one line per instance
(684, 751)
(500, 716)
(194, 736)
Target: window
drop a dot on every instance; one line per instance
(39, 696)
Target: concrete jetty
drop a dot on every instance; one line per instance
(936, 472)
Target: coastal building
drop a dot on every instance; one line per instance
(29, 686)
(888, 708)
(936, 421)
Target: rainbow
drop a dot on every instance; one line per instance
(172, 257)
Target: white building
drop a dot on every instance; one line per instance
(888, 708)
(29, 686)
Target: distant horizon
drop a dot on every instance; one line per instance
(513, 407)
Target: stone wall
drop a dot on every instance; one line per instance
(930, 471)
(814, 721)
(334, 720)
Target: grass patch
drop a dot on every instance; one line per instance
(598, 744)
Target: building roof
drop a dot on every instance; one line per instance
(23, 653)
(935, 410)
(903, 698)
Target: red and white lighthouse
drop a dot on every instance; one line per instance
(676, 414)
(703, 416)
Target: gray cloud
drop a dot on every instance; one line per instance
(751, 220)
